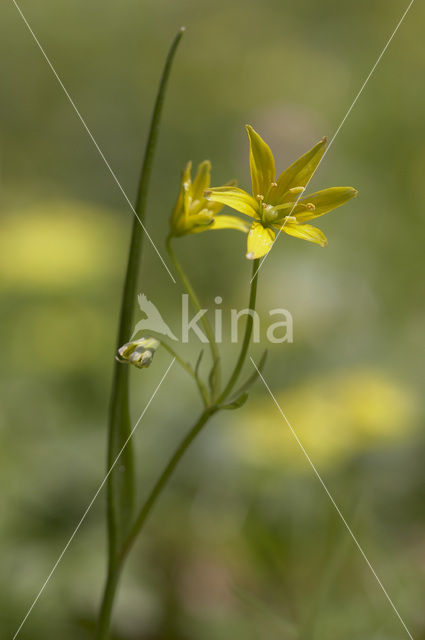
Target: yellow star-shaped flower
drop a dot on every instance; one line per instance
(277, 204)
(193, 213)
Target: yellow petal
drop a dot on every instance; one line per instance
(216, 207)
(261, 163)
(300, 172)
(305, 232)
(260, 241)
(182, 205)
(235, 198)
(293, 209)
(229, 222)
(187, 188)
(186, 173)
(325, 201)
(201, 180)
(199, 221)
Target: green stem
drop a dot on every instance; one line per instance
(196, 429)
(197, 306)
(163, 479)
(120, 495)
(247, 336)
(186, 366)
(105, 613)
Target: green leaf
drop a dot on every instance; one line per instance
(235, 404)
(121, 478)
(198, 364)
(254, 376)
(214, 373)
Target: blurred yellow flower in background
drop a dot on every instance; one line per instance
(335, 416)
(193, 213)
(58, 266)
(57, 245)
(276, 204)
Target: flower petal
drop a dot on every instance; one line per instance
(325, 201)
(261, 163)
(201, 180)
(182, 205)
(260, 241)
(235, 198)
(199, 221)
(229, 222)
(300, 172)
(293, 209)
(305, 232)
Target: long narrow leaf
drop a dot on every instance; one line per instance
(121, 480)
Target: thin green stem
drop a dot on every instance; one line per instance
(196, 429)
(109, 593)
(120, 495)
(187, 367)
(163, 479)
(247, 336)
(197, 306)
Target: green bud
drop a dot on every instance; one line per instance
(140, 353)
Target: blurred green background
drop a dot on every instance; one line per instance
(245, 543)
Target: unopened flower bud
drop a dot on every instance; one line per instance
(140, 353)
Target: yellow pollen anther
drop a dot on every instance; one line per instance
(260, 197)
(273, 184)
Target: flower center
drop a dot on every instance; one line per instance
(269, 213)
(266, 211)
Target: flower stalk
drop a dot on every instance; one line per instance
(204, 320)
(202, 421)
(247, 335)
(210, 409)
(164, 477)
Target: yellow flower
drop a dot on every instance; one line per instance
(276, 204)
(193, 213)
(366, 410)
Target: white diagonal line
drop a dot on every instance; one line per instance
(319, 477)
(92, 138)
(55, 566)
(341, 124)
